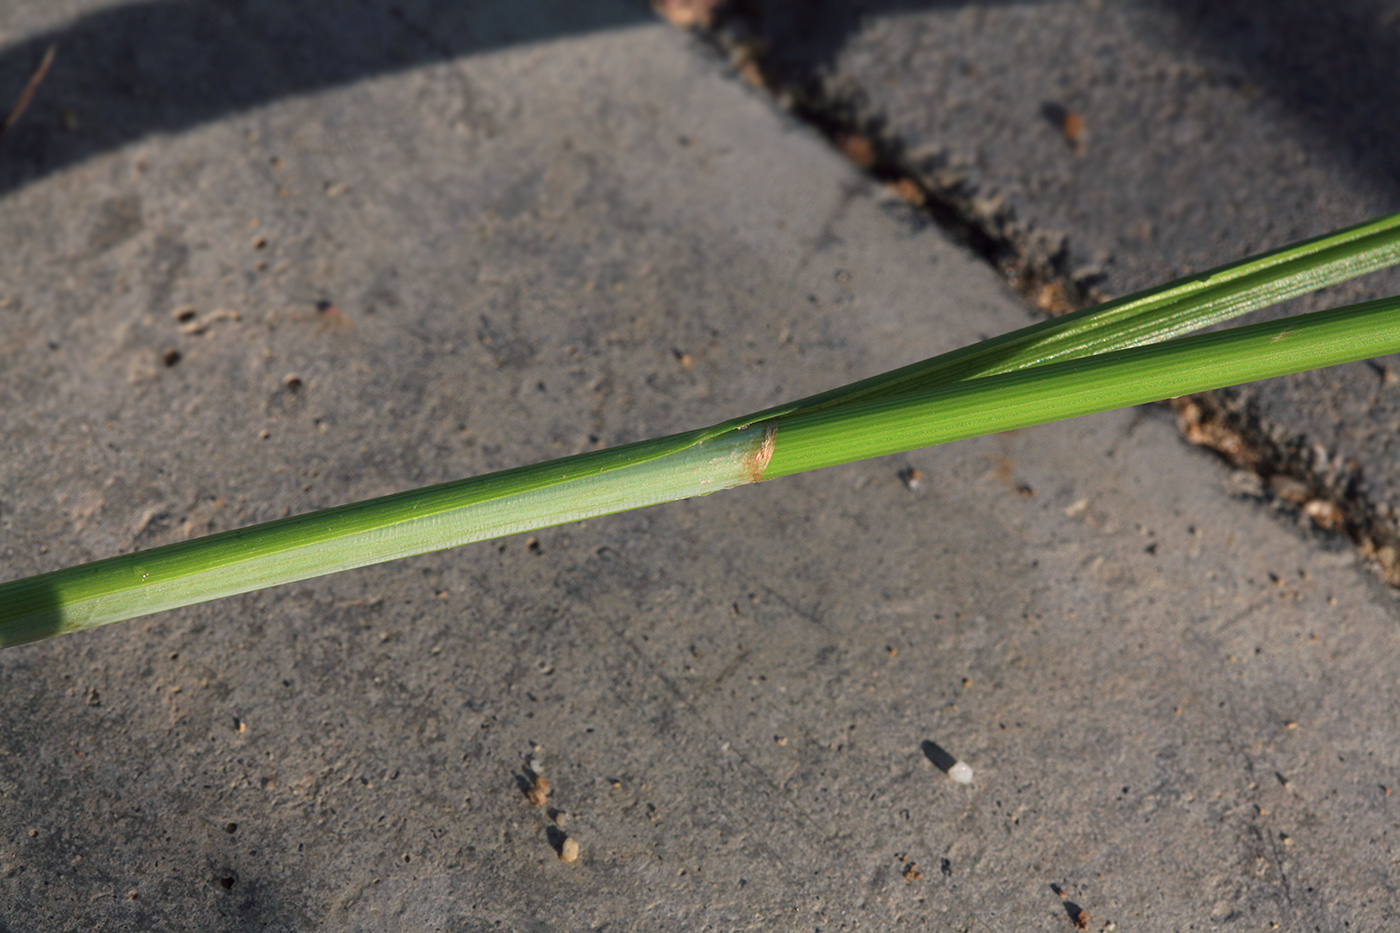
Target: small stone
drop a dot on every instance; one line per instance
(539, 791)
(568, 850)
(960, 772)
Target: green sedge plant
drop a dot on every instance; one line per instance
(1125, 352)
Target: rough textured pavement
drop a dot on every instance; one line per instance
(447, 242)
(1112, 146)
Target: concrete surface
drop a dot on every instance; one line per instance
(1180, 710)
(1200, 132)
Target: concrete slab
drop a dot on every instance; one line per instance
(1115, 146)
(1179, 711)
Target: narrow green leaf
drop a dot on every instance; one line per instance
(811, 439)
(1188, 304)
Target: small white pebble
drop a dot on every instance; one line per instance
(960, 772)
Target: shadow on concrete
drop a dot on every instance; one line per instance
(1330, 63)
(1333, 64)
(165, 66)
(1078, 916)
(251, 903)
(802, 39)
(938, 755)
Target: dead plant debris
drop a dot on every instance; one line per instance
(858, 148)
(689, 14)
(909, 191)
(26, 96)
(1207, 423)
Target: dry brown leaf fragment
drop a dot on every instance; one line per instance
(1075, 130)
(1071, 124)
(1053, 298)
(859, 149)
(748, 69)
(27, 95)
(1206, 429)
(909, 191)
(1288, 489)
(689, 14)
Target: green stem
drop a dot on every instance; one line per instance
(373, 531)
(681, 466)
